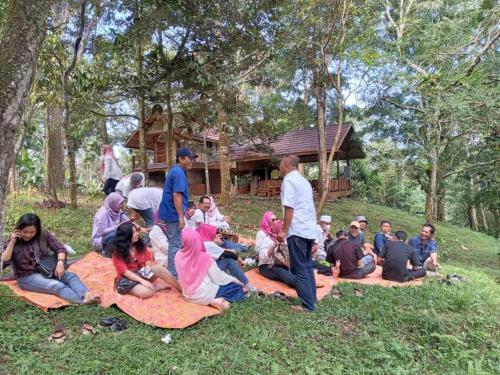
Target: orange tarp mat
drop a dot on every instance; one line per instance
(166, 309)
(270, 286)
(375, 278)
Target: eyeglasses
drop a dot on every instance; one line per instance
(274, 219)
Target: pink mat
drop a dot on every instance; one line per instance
(270, 286)
(375, 278)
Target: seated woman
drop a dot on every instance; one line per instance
(29, 243)
(130, 256)
(201, 280)
(106, 220)
(265, 243)
(225, 259)
(159, 242)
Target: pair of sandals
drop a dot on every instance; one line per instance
(60, 334)
(114, 323)
(451, 279)
(337, 294)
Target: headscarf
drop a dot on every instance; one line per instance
(111, 204)
(266, 222)
(192, 262)
(275, 229)
(107, 150)
(213, 211)
(207, 232)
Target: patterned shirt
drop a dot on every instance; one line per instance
(423, 249)
(23, 255)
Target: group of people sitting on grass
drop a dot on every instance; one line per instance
(205, 265)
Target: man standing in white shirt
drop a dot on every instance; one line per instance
(299, 229)
(144, 201)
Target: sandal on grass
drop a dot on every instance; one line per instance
(58, 336)
(87, 329)
(359, 292)
(120, 325)
(335, 293)
(108, 321)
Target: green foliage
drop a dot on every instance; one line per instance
(427, 330)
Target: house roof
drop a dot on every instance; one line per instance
(301, 142)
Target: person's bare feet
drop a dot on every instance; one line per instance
(92, 298)
(220, 304)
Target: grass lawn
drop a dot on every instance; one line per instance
(431, 329)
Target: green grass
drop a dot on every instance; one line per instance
(432, 329)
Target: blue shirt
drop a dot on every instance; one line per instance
(176, 182)
(379, 242)
(423, 250)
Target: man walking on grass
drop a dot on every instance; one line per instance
(174, 203)
(299, 229)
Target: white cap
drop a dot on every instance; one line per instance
(325, 218)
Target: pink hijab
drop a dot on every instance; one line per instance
(275, 229)
(266, 223)
(192, 262)
(107, 150)
(207, 232)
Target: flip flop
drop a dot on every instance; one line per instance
(320, 285)
(58, 336)
(120, 325)
(335, 293)
(87, 329)
(359, 292)
(108, 321)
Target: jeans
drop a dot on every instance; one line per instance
(233, 267)
(109, 186)
(69, 287)
(231, 292)
(278, 274)
(367, 259)
(148, 215)
(362, 272)
(174, 243)
(228, 244)
(301, 266)
(106, 242)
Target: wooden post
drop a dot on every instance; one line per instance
(338, 170)
(207, 174)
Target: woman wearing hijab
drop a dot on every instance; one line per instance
(159, 241)
(28, 244)
(106, 220)
(265, 244)
(202, 282)
(110, 169)
(225, 259)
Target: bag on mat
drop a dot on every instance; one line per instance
(280, 257)
(46, 265)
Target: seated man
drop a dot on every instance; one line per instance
(208, 213)
(129, 182)
(357, 237)
(394, 257)
(426, 248)
(350, 257)
(144, 201)
(382, 237)
(189, 217)
(363, 223)
(323, 236)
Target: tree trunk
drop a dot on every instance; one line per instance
(484, 216)
(225, 169)
(54, 155)
(430, 199)
(441, 203)
(169, 126)
(319, 92)
(73, 186)
(23, 32)
(103, 131)
(207, 174)
(472, 212)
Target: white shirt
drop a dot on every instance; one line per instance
(321, 236)
(145, 197)
(111, 169)
(262, 245)
(190, 223)
(123, 186)
(198, 217)
(216, 220)
(296, 193)
(214, 250)
(159, 244)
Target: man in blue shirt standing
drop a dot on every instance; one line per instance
(426, 248)
(174, 203)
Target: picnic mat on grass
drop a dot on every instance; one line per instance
(166, 309)
(270, 286)
(375, 278)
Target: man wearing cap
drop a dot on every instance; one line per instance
(363, 223)
(348, 257)
(299, 229)
(357, 237)
(174, 203)
(322, 235)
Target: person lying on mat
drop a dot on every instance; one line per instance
(394, 257)
(350, 257)
(426, 247)
(106, 220)
(136, 271)
(208, 213)
(266, 242)
(38, 259)
(226, 260)
(382, 237)
(201, 279)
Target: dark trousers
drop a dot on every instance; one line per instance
(361, 272)
(109, 186)
(278, 274)
(412, 275)
(301, 266)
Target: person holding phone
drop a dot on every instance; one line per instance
(27, 243)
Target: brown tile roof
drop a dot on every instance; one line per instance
(299, 142)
